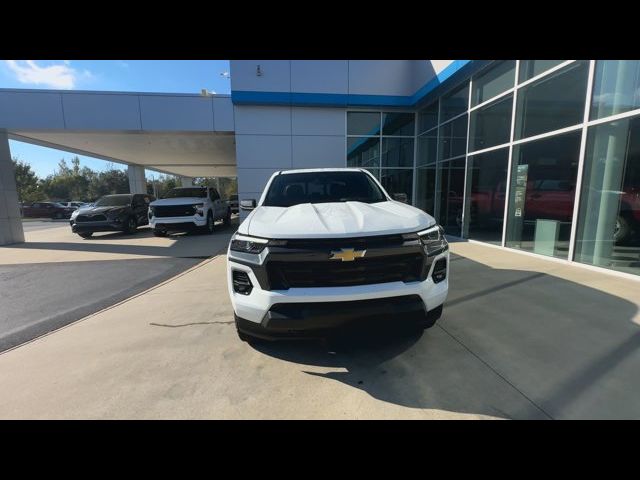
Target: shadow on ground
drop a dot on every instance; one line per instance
(510, 344)
(185, 245)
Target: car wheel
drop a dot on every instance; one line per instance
(159, 233)
(86, 234)
(131, 225)
(210, 226)
(622, 229)
(227, 219)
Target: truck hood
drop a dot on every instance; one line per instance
(335, 220)
(94, 210)
(178, 201)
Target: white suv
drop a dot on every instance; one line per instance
(188, 208)
(324, 247)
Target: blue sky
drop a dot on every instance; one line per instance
(174, 76)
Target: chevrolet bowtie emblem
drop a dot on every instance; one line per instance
(347, 254)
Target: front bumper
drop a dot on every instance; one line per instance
(268, 313)
(103, 226)
(177, 223)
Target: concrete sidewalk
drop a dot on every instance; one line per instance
(520, 337)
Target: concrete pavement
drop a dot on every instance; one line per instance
(521, 337)
(57, 277)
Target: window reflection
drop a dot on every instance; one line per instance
(609, 217)
(485, 198)
(398, 183)
(553, 102)
(454, 103)
(397, 152)
(453, 138)
(450, 195)
(363, 151)
(426, 189)
(496, 79)
(616, 87)
(542, 193)
(491, 124)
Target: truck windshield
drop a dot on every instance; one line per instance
(187, 192)
(291, 189)
(114, 201)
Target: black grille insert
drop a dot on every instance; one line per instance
(332, 273)
(174, 211)
(91, 218)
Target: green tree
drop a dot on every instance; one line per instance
(159, 186)
(228, 185)
(67, 183)
(109, 182)
(27, 182)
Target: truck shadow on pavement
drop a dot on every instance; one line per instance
(192, 245)
(511, 344)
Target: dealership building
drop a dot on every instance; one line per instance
(541, 156)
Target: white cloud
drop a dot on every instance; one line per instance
(122, 63)
(54, 76)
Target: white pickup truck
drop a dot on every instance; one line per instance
(324, 247)
(188, 208)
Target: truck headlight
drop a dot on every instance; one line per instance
(246, 244)
(433, 240)
(199, 209)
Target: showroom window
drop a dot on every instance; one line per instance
(453, 138)
(542, 193)
(608, 233)
(616, 87)
(427, 147)
(533, 68)
(553, 102)
(496, 79)
(428, 117)
(383, 143)
(397, 152)
(363, 123)
(450, 195)
(454, 103)
(398, 183)
(491, 124)
(363, 152)
(485, 195)
(426, 189)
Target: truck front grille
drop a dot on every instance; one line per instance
(90, 218)
(174, 211)
(331, 273)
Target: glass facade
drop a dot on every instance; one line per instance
(609, 214)
(485, 196)
(387, 150)
(542, 193)
(536, 155)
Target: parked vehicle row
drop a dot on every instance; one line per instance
(182, 209)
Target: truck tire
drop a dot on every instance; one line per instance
(210, 226)
(159, 233)
(86, 234)
(227, 218)
(131, 225)
(622, 230)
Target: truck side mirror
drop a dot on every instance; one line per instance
(248, 204)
